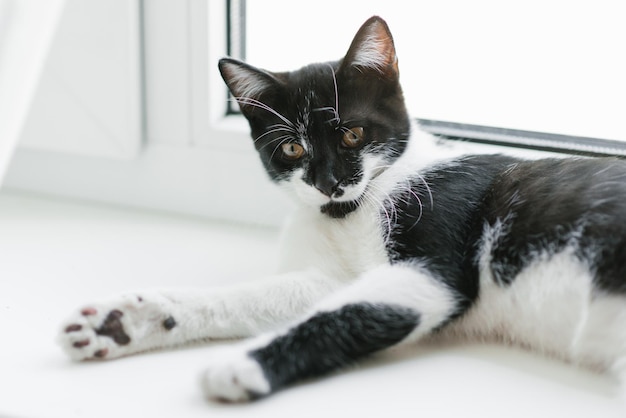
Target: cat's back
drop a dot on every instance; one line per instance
(560, 190)
(544, 206)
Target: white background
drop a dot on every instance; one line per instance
(549, 66)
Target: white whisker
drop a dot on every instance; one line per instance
(336, 119)
(379, 198)
(256, 103)
(419, 202)
(324, 109)
(430, 193)
(286, 139)
(283, 139)
(274, 129)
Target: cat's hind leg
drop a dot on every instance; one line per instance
(386, 306)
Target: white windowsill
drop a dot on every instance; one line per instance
(105, 251)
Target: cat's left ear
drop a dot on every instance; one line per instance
(249, 85)
(372, 50)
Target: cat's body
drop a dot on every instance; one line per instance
(392, 242)
(546, 289)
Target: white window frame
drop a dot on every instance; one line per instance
(194, 159)
(88, 97)
(25, 30)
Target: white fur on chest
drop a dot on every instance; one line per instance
(340, 248)
(345, 248)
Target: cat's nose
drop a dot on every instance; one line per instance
(329, 186)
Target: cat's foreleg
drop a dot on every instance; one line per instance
(386, 306)
(157, 319)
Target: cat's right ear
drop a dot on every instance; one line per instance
(248, 85)
(373, 51)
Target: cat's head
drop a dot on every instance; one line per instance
(327, 130)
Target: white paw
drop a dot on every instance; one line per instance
(233, 376)
(113, 329)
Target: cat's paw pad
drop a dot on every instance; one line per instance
(90, 334)
(114, 329)
(234, 377)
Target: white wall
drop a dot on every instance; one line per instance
(25, 32)
(178, 153)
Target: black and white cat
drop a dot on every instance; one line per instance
(391, 242)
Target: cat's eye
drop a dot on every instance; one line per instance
(353, 137)
(292, 151)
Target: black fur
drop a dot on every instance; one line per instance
(553, 203)
(443, 232)
(331, 340)
(545, 205)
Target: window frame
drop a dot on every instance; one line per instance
(193, 156)
(522, 139)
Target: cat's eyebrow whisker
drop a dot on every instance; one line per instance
(286, 139)
(274, 129)
(331, 109)
(281, 125)
(324, 109)
(345, 130)
(256, 103)
(282, 139)
(332, 71)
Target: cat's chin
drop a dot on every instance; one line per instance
(339, 210)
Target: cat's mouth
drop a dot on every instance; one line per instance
(339, 210)
(345, 201)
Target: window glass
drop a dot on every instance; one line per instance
(548, 66)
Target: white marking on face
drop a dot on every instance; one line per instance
(310, 196)
(370, 165)
(303, 192)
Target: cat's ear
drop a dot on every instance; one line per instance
(372, 50)
(247, 84)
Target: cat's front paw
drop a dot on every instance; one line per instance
(233, 376)
(113, 329)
